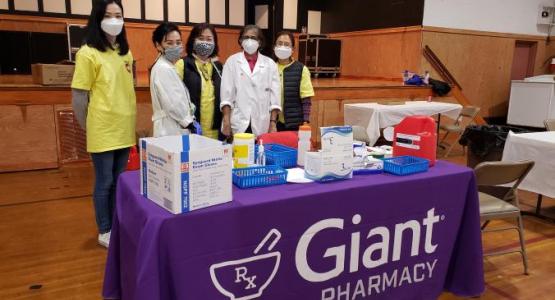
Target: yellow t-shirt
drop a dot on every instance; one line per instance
(207, 96)
(112, 105)
(180, 68)
(306, 89)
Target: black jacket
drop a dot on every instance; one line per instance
(193, 81)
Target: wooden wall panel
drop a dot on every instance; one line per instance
(29, 137)
(380, 53)
(481, 62)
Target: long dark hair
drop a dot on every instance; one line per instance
(196, 32)
(95, 37)
(162, 30)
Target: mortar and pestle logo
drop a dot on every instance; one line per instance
(246, 279)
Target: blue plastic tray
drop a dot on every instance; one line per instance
(279, 155)
(405, 165)
(259, 176)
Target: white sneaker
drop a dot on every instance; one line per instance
(104, 239)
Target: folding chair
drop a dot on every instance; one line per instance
(497, 173)
(465, 118)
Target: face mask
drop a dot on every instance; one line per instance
(283, 52)
(202, 48)
(250, 46)
(173, 54)
(112, 26)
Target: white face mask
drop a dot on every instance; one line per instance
(112, 26)
(250, 46)
(283, 52)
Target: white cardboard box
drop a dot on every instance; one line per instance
(327, 166)
(337, 139)
(186, 173)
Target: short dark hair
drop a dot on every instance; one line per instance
(162, 30)
(287, 33)
(95, 37)
(196, 32)
(259, 35)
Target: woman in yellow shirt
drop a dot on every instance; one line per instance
(202, 74)
(104, 104)
(296, 87)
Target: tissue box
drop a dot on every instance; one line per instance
(185, 173)
(328, 166)
(337, 139)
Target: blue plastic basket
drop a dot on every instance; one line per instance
(405, 165)
(279, 155)
(259, 176)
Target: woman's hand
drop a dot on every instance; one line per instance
(226, 121)
(226, 127)
(273, 127)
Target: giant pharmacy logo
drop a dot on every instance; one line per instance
(247, 278)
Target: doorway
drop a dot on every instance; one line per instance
(523, 60)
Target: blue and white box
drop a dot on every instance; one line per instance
(335, 160)
(186, 173)
(328, 166)
(337, 139)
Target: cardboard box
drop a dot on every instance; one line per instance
(186, 173)
(327, 166)
(337, 139)
(49, 74)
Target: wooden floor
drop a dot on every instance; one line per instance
(48, 244)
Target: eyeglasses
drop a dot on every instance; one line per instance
(249, 37)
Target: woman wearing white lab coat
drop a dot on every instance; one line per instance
(173, 112)
(250, 88)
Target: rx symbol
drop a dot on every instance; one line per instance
(241, 276)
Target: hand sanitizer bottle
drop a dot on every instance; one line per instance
(261, 158)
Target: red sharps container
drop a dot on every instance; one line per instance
(416, 136)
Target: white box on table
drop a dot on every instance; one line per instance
(337, 139)
(328, 166)
(185, 173)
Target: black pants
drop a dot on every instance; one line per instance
(281, 127)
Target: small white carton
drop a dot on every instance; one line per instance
(337, 139)
(186, 173)
(328, 166)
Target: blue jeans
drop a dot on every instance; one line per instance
(107, 168)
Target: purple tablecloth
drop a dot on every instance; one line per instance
(375, 236)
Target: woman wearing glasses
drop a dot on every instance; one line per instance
(250, 89)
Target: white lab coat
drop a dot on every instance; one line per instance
(172, 108)
(251, 95)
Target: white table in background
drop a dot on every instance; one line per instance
(539, 147)
(374, 116)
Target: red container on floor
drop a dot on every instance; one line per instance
(133, 162)
(416, 136)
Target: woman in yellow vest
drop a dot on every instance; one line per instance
(104, 104)
(296, 87)
(202, 73)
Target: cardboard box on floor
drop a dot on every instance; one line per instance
(186, 173)
(51, 74)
